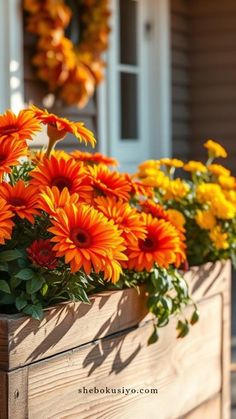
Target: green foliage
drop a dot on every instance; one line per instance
(29, 289)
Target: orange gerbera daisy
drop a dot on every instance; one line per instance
(138, 188)
(6, 223)
(37, 156)
(58, 127)
(124, 216)
(51, 199)
(10, 152)
(62, 173)
(22, 200)
(87, 240)
(21, 127)
(156, 210)
(160, 246)
(94, 158)
(108, 183)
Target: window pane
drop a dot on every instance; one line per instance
(128, 32)
(129, 106)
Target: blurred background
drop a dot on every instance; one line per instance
(170, 81)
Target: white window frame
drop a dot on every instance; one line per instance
(160, 118)
(12, 56)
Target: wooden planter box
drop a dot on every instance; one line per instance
(60, 367)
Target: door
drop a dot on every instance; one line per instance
(136, 81)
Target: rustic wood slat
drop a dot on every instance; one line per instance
(3, 395)
(209, 409)
(169, 366)
(18, 394)
(69, 325)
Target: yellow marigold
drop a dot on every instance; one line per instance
(219, 239)
(148, 164)
(215, 149)
(172, 162)
(205, 219)
(218, 170)
(195, 166)
(156, 180)
(177, 189)
(230, 196)
(205, 192)
(222, 208)
(227, 182)
(176, 218)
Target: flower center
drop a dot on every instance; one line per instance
(62, 182)
(17, 202)
(44, 252)
(2, 159)
(81, 237)
(148, 245)
(9, 129)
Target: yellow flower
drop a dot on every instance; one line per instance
(222, 208)
(156, 179)
(148, 165)
(230, 196)
(205, 219)
(177, 218)
(218, 170)
(219, 239)
(205, 192)
(227, 182)
(215, 149)
(195, 166)
(177, 189)
(171, 162)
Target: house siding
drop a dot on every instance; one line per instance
(180, 77)
(203, 34)
(35, 92)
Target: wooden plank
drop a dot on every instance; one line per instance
(181, 129)
(4, 348)
(179, 23)
(3, 395)
(169, 365)
(208, 77)
(181, 147)
(179, 41)
(18, 394)
(180, 6)
(210, 409)
(203, 8)
(180, 112)
(214, 24)
(180, 94)
(69, 325)
(212, 42)
(215, 129)
(211, 94)
(180, 59)
(211, 59)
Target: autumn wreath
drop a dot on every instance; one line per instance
(72, 35)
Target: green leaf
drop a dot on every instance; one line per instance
(183, 328)
(20, 303)
(4, 286)
(34, 311)
(9, 255)
(4, 267)
(25, 274)
(195, 317)
(34, 284)
(44, 289)
(154, 336)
